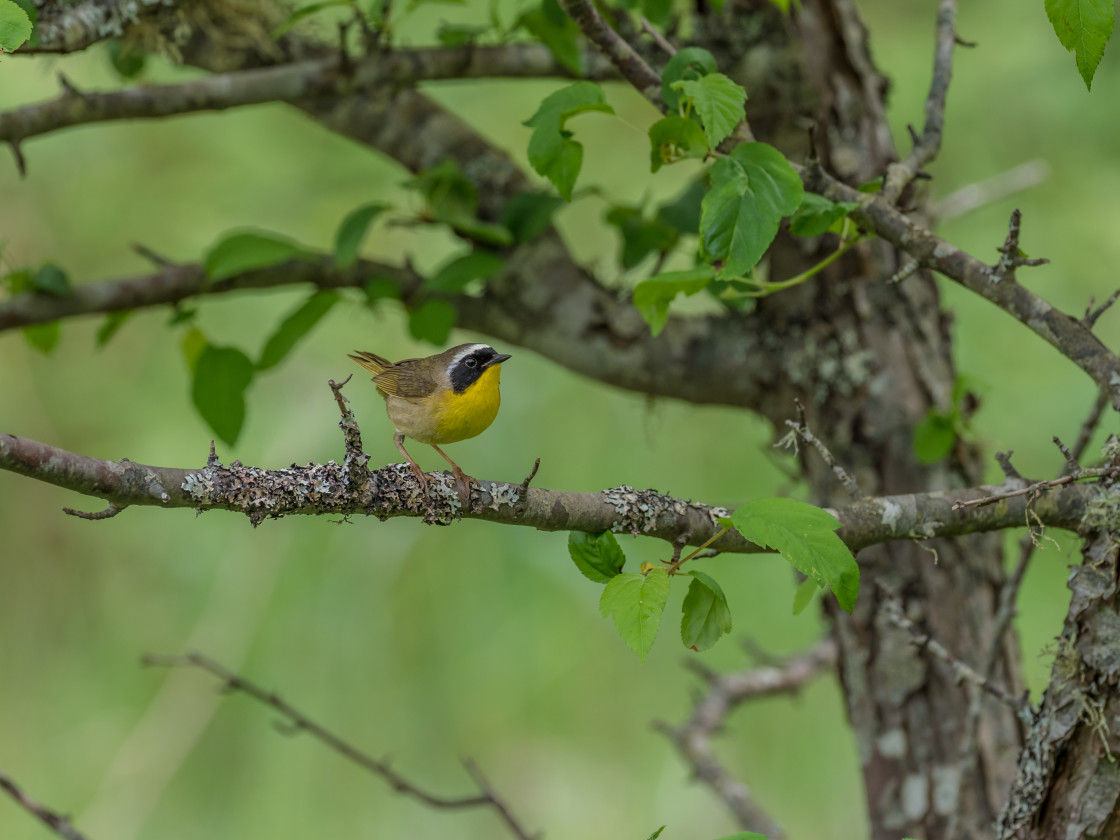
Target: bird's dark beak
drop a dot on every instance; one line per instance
(497, 360)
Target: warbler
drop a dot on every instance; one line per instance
(444, 398)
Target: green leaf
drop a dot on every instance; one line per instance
(221, 376)
(640, 236)
(181, 315)
(51, 280)
(298, 324)
(43, 337)
(718, 102)
(806, 536)
(753, 188)
(557, 31)
(353, 230)
(457, 274)
(686, 64)
(552, 152)
(705, 616)
(15, 28)
(380, 287)
(683, 212)
(32, 13)
(299, 14)
(674, 138)
(528, 214)
(432, 321)
(935, 435)
(817, 215)
(1083, 27)
(656, 834)
(658, 12)
(453, 200)
(248, 251)
(804, 595)
(636, 602)
(113, 322)
(598, 557)
(653, 296)
(127, 58)
(459, 35)
(192, 345)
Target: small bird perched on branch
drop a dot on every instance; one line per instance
(444, 398)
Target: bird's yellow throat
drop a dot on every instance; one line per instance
(465, 415)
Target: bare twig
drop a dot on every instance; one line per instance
(1092, 315)
(927, 145)
(724, 693)
(1085, 433)
(1011, 256)
(963, 671)
(623, 56)
(58, 823)
(109, 512)
(983, 193)
(801, 428)
(1038, 487)
(298, 722)
(658, 38)
(524, 487)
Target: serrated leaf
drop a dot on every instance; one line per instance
(221, 376)
(1084, 28)
(598, 557)
(806, 536)
(557, 31)
(15, 27)
(653, 296)
(817, 214)
(752, 189)
(51, 280)
(640, 236)
(43, 337)
(675, 138)
(705, 615)
(32, 13)
(804, 595)
(248, 251)
(687, 63)
(718, 102)
(528, 214)
(636, 602)
(353, 230)
(113, 322)
(432, 321)
(552, 152)
(935, 435)
(457, 274)
(294, 327)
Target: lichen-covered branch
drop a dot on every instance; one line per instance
(336, 489)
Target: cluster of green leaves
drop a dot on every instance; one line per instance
(803, 534)
(1084, 27)
(742, 200)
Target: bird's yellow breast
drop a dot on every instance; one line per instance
(462, 416)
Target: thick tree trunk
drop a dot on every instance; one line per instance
(868, 358)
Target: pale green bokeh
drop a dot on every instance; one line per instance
(427, 644)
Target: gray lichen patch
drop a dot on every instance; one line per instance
(639, 510)
(1102, 512)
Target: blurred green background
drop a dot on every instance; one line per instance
(428, 644)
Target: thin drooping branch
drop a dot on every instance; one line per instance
(623, 56)
(927, 145)
(391, 491)
(299, 722)
(725, 693)
(388, 70)
(58, 823)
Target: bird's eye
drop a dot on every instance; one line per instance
(471, 362)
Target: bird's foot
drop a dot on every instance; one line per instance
(463, 485)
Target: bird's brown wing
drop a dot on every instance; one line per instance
(403, 379)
